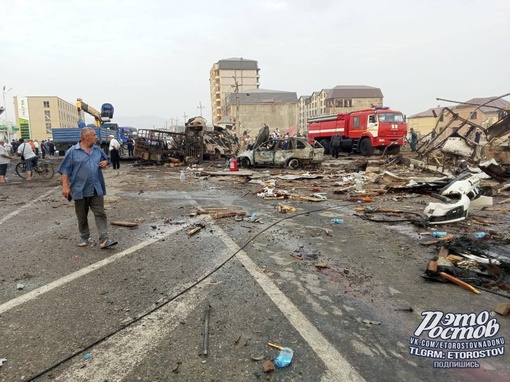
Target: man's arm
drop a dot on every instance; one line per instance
(66, 188)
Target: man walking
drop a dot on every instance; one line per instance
(114, 152)
(83, 181)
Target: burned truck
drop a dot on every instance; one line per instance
(190, 147)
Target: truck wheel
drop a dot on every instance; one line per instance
(294, 164)
(325, 144)
(365, 147)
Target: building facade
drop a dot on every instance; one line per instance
(228, 76)
(257, 107)
(37, 115)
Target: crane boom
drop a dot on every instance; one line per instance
(105, 115)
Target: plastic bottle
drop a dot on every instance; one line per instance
(480, 235)
(182, 177)
(284, 358)
(337, 221)
(439, 234)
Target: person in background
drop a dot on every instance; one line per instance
(27, 153)
(5, 159)
(414, 139)
(336, 142)
(51, 148)
(14, 144)
(83, 181)
(131, 147)
(36, 147)
(114, 152)
(45, 148)
(478, 135)
(8, 147)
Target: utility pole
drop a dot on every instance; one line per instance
(200, 107)
(185, 117)
(236, 91)
(9, 129)
(5, 106)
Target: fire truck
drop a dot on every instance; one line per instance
(361, 131)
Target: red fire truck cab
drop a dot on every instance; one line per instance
(361, 131)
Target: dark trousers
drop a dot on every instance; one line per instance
(96, 204)
(335, 150)
(114, 155)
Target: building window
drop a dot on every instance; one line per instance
(473, 115)
(47, 115)
(46, 103)
(48, 127)
(343, 102)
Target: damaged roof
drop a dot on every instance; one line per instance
(354, 91)
(429, 113)
(489, 106)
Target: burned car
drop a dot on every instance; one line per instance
(294, 152)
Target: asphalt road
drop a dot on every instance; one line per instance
(136, 312)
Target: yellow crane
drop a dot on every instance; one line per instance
(100, 118)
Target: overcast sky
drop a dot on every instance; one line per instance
(152, 58)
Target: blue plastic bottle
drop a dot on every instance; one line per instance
(480, 235)
(284, 358)
(439, 234)
(337, 221)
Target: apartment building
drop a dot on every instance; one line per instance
(232, 75)
(37, 115)
(340, 99)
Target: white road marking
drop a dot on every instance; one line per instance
(116, 357)
(30, 204)
(338, 368)
(84, 271)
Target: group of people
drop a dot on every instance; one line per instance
(26, 150)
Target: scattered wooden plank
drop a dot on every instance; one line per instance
(124, 224)
(194, 230)
(460, 283)
(220, 215)
(438, 240)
